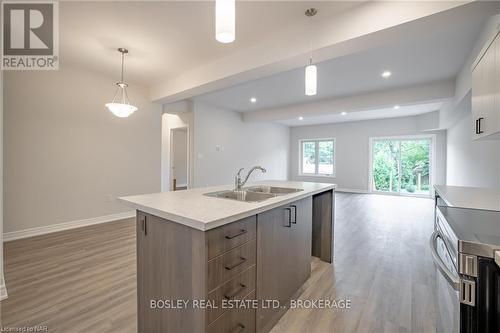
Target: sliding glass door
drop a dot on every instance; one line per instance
(401, 165)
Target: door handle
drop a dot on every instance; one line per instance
(144, 226)
(479, 130)
(448, 275)
(289, 210)
(294, 214)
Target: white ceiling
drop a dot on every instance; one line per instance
(166, 38)
(403, 111)
(415, 61)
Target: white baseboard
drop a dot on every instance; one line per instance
(350, 190)
(13, 235)
(3, 289)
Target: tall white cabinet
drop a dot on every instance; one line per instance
(486, 92)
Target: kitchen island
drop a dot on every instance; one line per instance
(209, 264)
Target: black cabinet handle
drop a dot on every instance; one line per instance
(242, 260)
(242, 232)
(235, 292)
(477, 126)
(479, 130)
(294, 214)
(144, 226)
(239, 328)
(289, 225)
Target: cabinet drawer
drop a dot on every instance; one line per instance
(235, 321)
(222, 239)
(225, 267)
(237, 288)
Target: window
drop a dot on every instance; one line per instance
(317, 157)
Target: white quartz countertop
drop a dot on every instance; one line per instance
(470, 197)
(194, 209)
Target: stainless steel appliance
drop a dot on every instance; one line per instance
(463, 247)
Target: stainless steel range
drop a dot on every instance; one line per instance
(463, 246)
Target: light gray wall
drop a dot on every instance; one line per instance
(66, 157)
(471, 163)
(241, 145)
(352, 148)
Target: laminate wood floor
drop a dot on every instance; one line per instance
(84, 280)
(382, 263)
(80, 280)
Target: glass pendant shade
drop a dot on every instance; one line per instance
(225, 21)
(311, 78)
(120, 106)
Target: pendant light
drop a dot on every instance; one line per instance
(120, 106)
(311, 72)
(225, 21)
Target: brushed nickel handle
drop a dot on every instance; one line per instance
(294, 214)
(235, 292)
(242, 260)
(242, 232)
(289, 225)
(450, 277)
(239, 328)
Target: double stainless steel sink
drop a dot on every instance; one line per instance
(254, 193)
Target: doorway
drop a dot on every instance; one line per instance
(402, 165)
(179, 159)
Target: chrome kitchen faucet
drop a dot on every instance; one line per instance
(238, 183)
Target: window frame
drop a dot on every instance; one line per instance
(316, 147)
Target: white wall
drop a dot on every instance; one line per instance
(471, 163)
(352, 148)
(66, 157)
(223, 143)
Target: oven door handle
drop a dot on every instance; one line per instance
(449, 276)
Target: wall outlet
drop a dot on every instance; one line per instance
(218, 148)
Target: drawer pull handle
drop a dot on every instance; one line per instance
(242, 232)
(289, 210)
(294, 213)
(235, 292)
(242, 260)
(239, 328)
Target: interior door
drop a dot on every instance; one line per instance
(275, 263)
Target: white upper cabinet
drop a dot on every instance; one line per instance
(486, 92)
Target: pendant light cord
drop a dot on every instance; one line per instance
(123, 58)
(310, 41)
(310, 13)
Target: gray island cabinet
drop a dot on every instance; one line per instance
(229, 278)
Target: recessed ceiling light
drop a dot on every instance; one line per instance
(396, 107)
(253, 100)
(386, 74)
(301, 118)
(343, 113)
